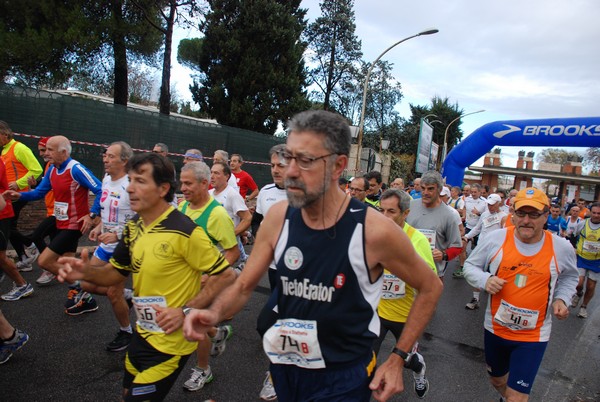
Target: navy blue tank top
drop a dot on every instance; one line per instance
(322, 275)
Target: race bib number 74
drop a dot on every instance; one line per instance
(295, 342)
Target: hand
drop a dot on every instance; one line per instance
(437, 255)
(108, 238)
(387, 380)
(168, 318)
(31, 181)
(88, 223)
(197, 323)
(475, 211)
(560, 309)
(494, 284)
(94, 233)
(13, 186)
(73, 269)
(11, 195)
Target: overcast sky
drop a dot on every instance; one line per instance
(515, 59)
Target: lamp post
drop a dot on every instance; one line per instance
(366, 87)
(445, 149)
(429, 115)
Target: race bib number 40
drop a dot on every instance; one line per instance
(146, 315)
(295, 342)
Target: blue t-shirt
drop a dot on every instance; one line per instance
(415, 194)
(554, 225)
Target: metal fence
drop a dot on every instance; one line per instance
(92, 122)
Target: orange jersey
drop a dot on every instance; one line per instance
(522, 310)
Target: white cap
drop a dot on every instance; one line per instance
(445, 192)
(493, 199)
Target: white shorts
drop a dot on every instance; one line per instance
(595, 276)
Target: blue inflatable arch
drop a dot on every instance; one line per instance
(565, 132)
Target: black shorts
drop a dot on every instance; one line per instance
(149, 374)
(4, 233)
(65, 241)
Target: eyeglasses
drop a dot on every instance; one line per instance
(532, 215)
(304, 162)
(358, 190)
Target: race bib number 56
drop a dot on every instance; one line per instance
(295, 342)
(146, 315)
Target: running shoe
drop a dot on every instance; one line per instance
(7, 348)
(85, 303)
(128, 296)
(267, 393)
(458, 273)
(198, 379)
(45, 278)
(219, 342)
(23, 266)
(31, 254)
(17, 292)
(2, 276)
(73, 296)
(473, 304)
(121, 342)
(575, 300)
(582, 312)
(421, 382)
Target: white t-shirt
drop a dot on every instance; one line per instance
(470, 203)
(233, 202)
(268, 196)
(115, 209)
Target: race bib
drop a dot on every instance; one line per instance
(146, 315)
(591, 246)
(491, 220)
(393, 287)
(516, 318)
(61, 211)
(430, 235)
(295, 342)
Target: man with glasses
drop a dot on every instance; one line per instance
(529, 275)
(327, 249)
(358, 190)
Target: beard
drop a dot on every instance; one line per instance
(307, 198)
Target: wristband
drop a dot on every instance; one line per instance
(401, 353)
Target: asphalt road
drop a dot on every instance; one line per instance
(65, 358)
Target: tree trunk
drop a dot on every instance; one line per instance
(165, 87)
(121, 89)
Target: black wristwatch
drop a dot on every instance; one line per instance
(401, 353)
(186, 310)
(444, 256)
(93, 215)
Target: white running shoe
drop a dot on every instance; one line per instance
(582, 313)
(224, 332)
(31, 254)
(198, 379)
(267, 393)
(45, 278)
(23, 266)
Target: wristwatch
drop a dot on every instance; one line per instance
(186, 310)
(444, 256)
(401, 353)
(93, 215)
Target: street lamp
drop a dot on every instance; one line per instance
(429, 115)
(445, 149)
(366, 87)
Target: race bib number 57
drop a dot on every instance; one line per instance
(295, 342)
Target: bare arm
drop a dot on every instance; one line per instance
(400, 258)
(245, 220)
(74, 269)
(234, 297)
(232, 254)
(252, 195)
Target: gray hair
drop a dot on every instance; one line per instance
(276, 149)
(432, 177)
(200, 170)
(163, 147)
(194, 151)
(223, 154)
(126, 150)
(402, 196)
(333, 127)
(477, 186)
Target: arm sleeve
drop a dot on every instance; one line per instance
(568, 276)
(41, 190)
(84, 177)
(476, 230)
(255, 224)
(26, 157)
(476, 269)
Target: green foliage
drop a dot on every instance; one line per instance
(335, 52)
(250, 69)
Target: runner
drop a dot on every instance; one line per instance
(166, 253)
(328, 269)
